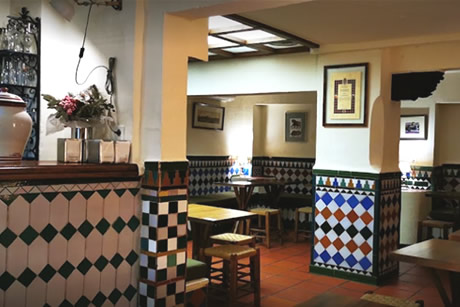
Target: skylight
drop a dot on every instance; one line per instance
(233, 36)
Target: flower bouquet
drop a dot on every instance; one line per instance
(85, 110)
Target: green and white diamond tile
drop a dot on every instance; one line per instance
(60, 243)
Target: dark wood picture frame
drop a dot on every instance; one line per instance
(414, 127)
(331, 74)
(208, 116)
(295, 126)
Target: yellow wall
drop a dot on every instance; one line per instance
(270, 131)
(447, 143)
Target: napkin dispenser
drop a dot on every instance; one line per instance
(70, 150)
(100, 151)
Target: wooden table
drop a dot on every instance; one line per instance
(436, 255)
(202, 218)
(244, 187)
(331, 299)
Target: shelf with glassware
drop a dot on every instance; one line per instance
(20, 68)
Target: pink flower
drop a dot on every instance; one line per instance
(69, 104)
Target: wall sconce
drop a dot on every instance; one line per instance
(67, 10)
(115, 4)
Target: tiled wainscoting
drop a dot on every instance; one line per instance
(282, 168)
(356, 224)
(163, 234)
(69, 244)
(420, 178)
(205, 170)
(447, 178)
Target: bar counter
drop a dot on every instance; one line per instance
(69, 234)
(33, 170)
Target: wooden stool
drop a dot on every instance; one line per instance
(304, 232)
(390, 300)
(455, 236)
(264, 232)
(232, 275)
(233, 238)
(430, 224)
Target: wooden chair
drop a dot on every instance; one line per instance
(444, 226)
(233, 280)
(455, 236)
(264, 232)
(304, 232)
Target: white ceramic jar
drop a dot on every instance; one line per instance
(15, 126)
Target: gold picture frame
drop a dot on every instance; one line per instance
(345, 95)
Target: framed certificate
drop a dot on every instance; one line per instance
(345, 95)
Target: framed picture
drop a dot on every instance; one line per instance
(345, 95)
(206, 116)
(295, 126)
(414, 127)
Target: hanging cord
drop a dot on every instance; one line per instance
(109, 82)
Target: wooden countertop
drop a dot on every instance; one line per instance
(51, 170)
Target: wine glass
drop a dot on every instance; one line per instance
(4, 78)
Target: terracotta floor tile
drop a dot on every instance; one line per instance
(287, 265)
(347, 292)
(272, 269)
(356, 286)
(295, 295)
(282, 280)
(313, 287)
(326, 280)
(305, 260)
(268, 288)
(272, 301)
(267, 260)
(294, 274)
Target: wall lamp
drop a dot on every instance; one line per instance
(67, 10)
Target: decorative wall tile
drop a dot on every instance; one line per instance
(356, 223)
(390, 207)
(67, 252)
(163, 246)
(287, 169)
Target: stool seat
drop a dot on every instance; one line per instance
(390, 300)
(307, 210)
(232, 238)
(429, 224)
(195, 269)
(226, 252)
(455, 236)
(262, 211)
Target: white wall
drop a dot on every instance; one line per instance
(4, 11)
(447, 146)
(110, 34)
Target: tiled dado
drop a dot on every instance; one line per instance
(447, 178)
(205, 170)
(287, 169)
(69, 244)
(420, 178)
(356, 224)
(163, 234)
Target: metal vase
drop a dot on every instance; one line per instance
(82, 134)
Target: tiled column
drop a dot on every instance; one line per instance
(356, 224)
(163, 234)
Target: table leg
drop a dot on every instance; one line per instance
(455, 288)
(201, 240)
(442, 292)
